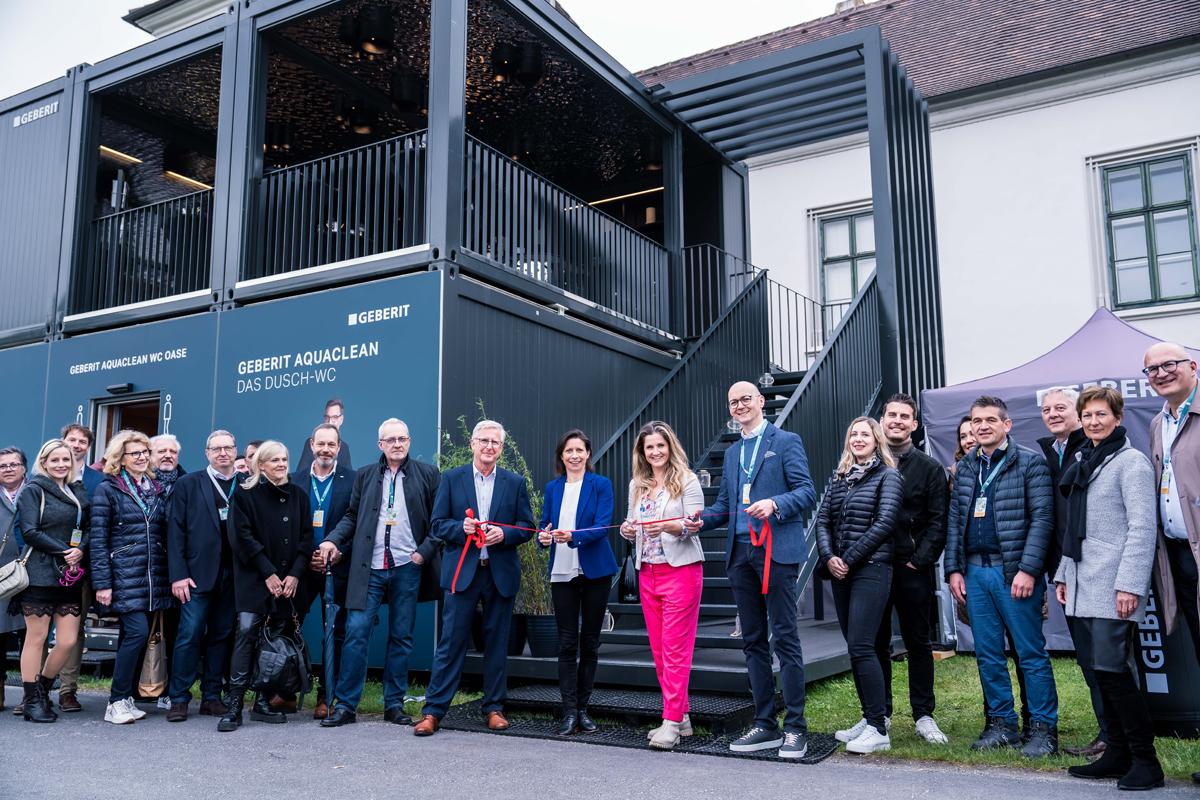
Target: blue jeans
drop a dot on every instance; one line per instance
(399, 586)
(135, 632)
(205, 625)
(992, 610)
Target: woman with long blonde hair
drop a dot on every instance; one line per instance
(855, 525)
(670, 569)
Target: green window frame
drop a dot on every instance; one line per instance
(1150, 232)
(847, 249)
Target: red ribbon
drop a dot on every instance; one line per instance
(763, 539)
(478, 538)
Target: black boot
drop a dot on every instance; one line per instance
(1115, 761)
(232, 720)
(36, 705)
(1146, 772)
(262, 712)
(45, 685)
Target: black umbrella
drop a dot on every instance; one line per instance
(331, 612)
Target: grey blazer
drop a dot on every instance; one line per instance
(10, 550)
(1118, 553)
(679, 550)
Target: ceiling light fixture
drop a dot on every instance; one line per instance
(375, 30)
(117, 155)
(185, 180)
(503, 56)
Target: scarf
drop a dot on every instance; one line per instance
(1088, 463)
(857, 471)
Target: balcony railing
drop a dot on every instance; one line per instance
(525, 223)
(146, 253)
(356, 203)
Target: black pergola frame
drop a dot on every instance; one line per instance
(835, 87)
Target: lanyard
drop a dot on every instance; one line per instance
(983, 485)
(317, 492)
(753, 456)
(1183, 412)
(78, 508)
(232, 486)
(136, 494)
(392, 490)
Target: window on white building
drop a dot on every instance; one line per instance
(1150, 231)
(847, 255)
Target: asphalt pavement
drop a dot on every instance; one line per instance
(81, 757)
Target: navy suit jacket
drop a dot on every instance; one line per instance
(194, 531)
(780, 473)
(339, 496)
(592, 518)
(510, 505)
(92, 478)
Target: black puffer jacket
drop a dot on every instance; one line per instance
(857, 523)
(47, 529)
(129, 549)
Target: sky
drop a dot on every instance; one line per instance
(40, 39)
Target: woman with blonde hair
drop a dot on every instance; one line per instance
(54, 513)
(271, 533)
(855, 525)
(670, 572)
(129, 559)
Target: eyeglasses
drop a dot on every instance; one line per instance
(745, 400)
(393, 440)
(489, 443)
(332, 417)
(10, 467)
(1166, 367)
(223, 449)
(137, 454)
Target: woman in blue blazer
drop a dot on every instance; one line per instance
(575, 518)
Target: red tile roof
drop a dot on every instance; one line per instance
(949, 46)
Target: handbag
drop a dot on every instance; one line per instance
(283, 665)
(14, 576)
(153, 679)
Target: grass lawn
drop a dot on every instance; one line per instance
(832, 704)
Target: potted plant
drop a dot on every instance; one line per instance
(533, 611)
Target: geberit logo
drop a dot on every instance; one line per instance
(377, 314)
(34, 114)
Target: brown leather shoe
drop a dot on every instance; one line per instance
(278, 703)
(495, 721)
(178, 712)
(68, 702)
(428, 726)
(1093, 749)
(213, 708)
(321, 709)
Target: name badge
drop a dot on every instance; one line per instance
(980, 507)
(76, 537)
(223, 513)
(319, 518)
(745, 494)
(1165, 487)
(390, 517)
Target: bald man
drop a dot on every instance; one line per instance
(765, 477)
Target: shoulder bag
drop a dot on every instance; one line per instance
(14, 577)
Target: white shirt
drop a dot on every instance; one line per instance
(484, 486)
(1168, 504)
(401, 536)
(566, 558)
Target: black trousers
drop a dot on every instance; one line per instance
(912, 598)
(860, 598)
(1183, 570)
(245, 643)
(579, 612)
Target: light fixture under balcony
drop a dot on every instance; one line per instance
(503, 57)
(117, 155)
(375, 30)
(185, 180)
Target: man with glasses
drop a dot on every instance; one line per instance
(765, 480)
(200, 568)
(386, 534)
(335, 415)
(1175, 451)
(12, 480)
(480, 566)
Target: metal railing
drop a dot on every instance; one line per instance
(692, 395)
(798, 325)
(146, 253)
(842, 383)
(526, 224)
(356, 203)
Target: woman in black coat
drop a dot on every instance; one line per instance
(271, 537)
(129, 559)
(54, 514)
(855, 525)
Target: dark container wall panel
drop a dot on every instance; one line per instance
(33, 164)
(537, 380)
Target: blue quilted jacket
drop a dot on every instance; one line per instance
(129, 549)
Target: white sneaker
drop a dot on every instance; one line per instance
(164, 703)
(869, 741)
(118, 714)
(667, 735)
(851, 733)
(928, 730)
(685, 728)
(134, 711)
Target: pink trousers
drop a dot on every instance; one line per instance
(671, 604)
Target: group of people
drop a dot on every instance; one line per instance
(1088, 516)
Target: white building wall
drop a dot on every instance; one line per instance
(1017, 215)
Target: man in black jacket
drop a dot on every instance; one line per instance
(1066, 438)
(385, 532)
(919, 541)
